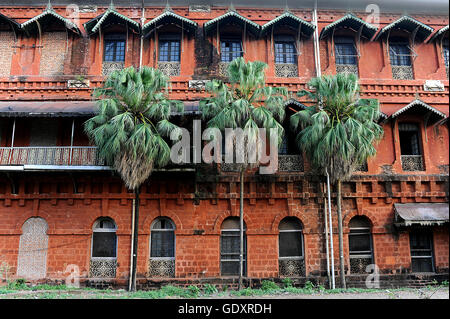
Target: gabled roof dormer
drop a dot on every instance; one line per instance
(288, 18)
(110, 16)
(46, 17)
(352, 22)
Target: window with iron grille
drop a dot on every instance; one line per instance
(285, 50)
(409, 139)
(345, 50)
(230, 248)
(283, 149)
(169, 48)
(399, 52)
(291, 261)
(114, 48)
(445, 49)
(162, 239)
(104, 239)
(230, 49)
(360, 244)
(421, 244)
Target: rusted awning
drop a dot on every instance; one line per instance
(46, 108)
(66, 108)
(423, 214)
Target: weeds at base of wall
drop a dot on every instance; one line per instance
(268, 288)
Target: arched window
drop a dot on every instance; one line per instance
(230, 248)
(104, 249)
(360, 244)
(291, 260)
(33, 246)
(162, 248)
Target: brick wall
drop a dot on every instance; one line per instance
(6, 52)
(53, 53)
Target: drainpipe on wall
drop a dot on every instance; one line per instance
(318, 74)
(142, 35)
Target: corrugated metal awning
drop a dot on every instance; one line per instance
(65, 108)
(424, 214)
(46, 108)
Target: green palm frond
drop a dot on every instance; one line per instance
(340, 130)
(246, 101)
(132, 118)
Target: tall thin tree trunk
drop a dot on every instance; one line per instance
(241, 229)
(135, 241)
(341, 236)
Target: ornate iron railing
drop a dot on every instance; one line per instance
(291, 267)
(161, 268)
(170, 68)
(109, 67)
(286, 70)
(358, 264)
(286, 163)
(347, 68)
(223, 68)
(402, 72)
(102, 267)
(412, 163)
(58, 155)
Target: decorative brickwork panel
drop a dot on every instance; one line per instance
(161, 268)
(402, 72)
(290, 163)
(170, 68)
(291, 267)
(223, 68)
(347, 68)
(33, 245)
(6, 52)
(102, 268)
(358, 265)
(412, 163)
(286, 70)
(54, 45)
(109, 67)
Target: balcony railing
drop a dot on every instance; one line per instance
(412, 163)
(62, 156)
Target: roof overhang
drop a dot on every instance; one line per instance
(419, 106)
(353, 22)
(231, 16)
(16, 109)
(110, 16)
(292, 20)
(408, 24)
(46, 109)
(11, 22)
(439, 33)
(45, 17)
(169, 17)
(297, 104)
(421, 214)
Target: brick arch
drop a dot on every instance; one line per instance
(221, 217)
(276, 221)
(145, 226)
(365, 213)
(111, 214)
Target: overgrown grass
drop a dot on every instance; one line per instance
(45, 291)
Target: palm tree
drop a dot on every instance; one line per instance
(246, 103)
(337, 133)
(133, 117)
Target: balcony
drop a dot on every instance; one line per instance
(56, 157)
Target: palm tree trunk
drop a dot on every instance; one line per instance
(135, 239)
(341, 236)
(241, 229)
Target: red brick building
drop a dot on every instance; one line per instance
(61, 209)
